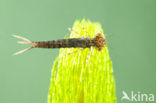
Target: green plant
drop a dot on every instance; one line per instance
(79, 79)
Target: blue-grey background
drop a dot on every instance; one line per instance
(130, 26)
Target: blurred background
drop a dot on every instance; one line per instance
(130, 27)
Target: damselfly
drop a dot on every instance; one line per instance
(84, 42)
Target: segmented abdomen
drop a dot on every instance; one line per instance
(66, 43)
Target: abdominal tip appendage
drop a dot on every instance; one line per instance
(26, 41)
(19, 37)
(22, 51)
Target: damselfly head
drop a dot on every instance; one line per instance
(100, 41)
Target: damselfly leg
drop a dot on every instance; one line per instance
(72, 52)
(71, 30)
(82, 26)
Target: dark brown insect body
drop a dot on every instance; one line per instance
(66, 43)
(99, 42)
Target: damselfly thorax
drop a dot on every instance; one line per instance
(84, 42)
